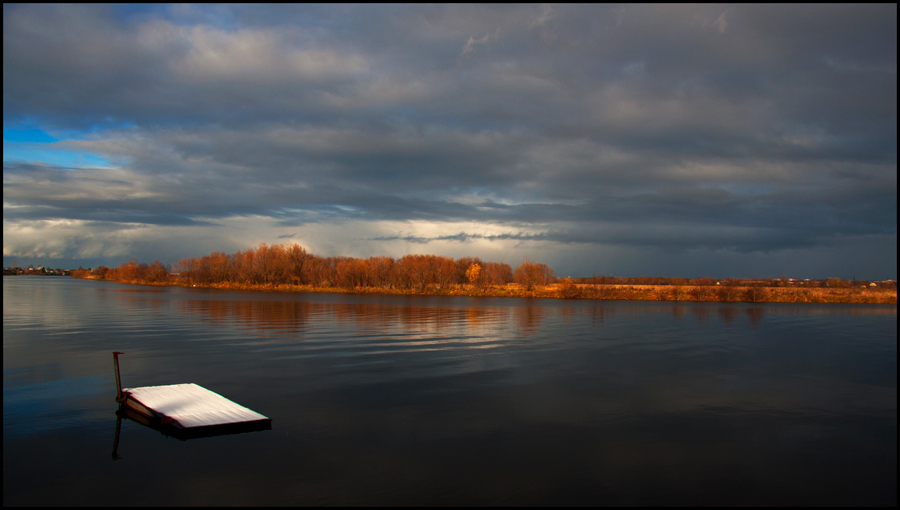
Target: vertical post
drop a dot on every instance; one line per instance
(118, 378)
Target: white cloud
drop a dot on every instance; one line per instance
(259, 55)
(469, 47)
(721, 23)
(546, 14)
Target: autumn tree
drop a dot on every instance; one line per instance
(261, 264)
(130, 272)
(836, 283)
(496, 273)
(220, 267)
(242, 265)
(473, 274)
(568, 289)
(296, 257)
(318, 272)
(530, 273)
(462, 266)
(415, 271)
(755, 294)
(444, 271)
(203, 270)
(187, 270)
(380, 271)
(100, 272)
(79, 273)
(351, 273)
(157, 273)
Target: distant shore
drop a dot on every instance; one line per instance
(612, 292)
(290, 268)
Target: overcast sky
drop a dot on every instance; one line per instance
(711, 140)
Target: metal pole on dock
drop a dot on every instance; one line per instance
(119, 397)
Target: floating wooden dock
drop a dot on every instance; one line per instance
(186, 410)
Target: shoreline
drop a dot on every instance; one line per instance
(600, 292)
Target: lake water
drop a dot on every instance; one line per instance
(382, 400)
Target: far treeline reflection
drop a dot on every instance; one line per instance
(291, 267)
(291, 318)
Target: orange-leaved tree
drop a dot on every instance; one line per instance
(530, 273)
(473, 273)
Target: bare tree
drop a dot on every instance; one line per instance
(530, 273)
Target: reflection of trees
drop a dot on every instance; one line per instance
(265, 317)
(831, 309)
(473, 316)
(136, 299)
(755, 315)
(701, 313)
(727, 314)
(599, 313)
(296, 317)
(293, 318)
(530, 317)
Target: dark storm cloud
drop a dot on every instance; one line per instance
(720, 127)
(463, 237)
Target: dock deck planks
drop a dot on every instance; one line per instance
(189, 405)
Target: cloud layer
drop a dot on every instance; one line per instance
(603, 139)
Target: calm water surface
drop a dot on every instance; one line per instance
(436, 400)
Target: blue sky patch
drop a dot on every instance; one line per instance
(34, 144)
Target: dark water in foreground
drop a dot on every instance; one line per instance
(436, 400)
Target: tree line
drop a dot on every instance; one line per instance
(290, 264)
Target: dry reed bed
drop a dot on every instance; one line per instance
(568, 290)
(726, 293)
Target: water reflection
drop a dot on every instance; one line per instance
(390, 400)
(115, 451)
(289, 316)
(755, 315)
(599, 313)
(181, 434)
(295, 318)
(727, 314)
(530, 317)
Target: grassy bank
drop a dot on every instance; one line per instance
(568, 290)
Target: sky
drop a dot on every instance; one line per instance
(626, 140)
